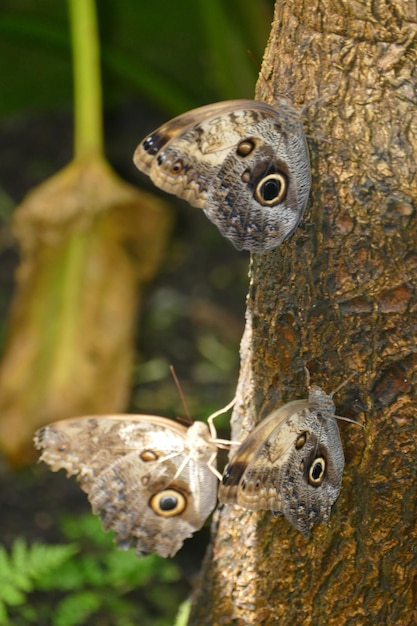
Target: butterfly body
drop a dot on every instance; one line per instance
(147, 477)
(292, 463)
(245, 163)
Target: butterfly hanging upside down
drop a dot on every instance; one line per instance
(245, 163)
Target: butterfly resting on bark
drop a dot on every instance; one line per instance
(244, 162)
(291, 463)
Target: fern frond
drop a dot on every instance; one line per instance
(76, 608)
(43, 559)
(24, 568)
(3, 614)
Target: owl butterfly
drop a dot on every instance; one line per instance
(291, 463)
(150, 479)
(245, 163)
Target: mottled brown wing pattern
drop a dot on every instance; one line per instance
(145, 476)
(245, 163)
(251, 462)
(292, 463)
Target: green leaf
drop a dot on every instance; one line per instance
(4, 620)
(5, 569)
(43, 559)
(29, 566)
(76, 608)
(92, 571)
(10, 594)
(19, 554)
(87, 528)
(183, 614)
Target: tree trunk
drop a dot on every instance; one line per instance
(338, 296)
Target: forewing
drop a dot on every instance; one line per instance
(252, 478)
(183, 155)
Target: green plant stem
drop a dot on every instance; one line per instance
(87, 79)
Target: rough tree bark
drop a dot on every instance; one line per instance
(339, 295)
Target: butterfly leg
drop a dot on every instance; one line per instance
(212, 417)
(212, 467)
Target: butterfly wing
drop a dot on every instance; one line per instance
(243, 162)
(181, 156)
(128, 467)
(292, 466)
(260, 192)
(250, 479)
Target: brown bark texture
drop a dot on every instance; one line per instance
(338, 296)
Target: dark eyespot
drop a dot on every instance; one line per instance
(317, 471)
(245, 147)
(271, 189)
(168, 503)
(147, 144)
(300, 442)
(148, 455)
(177, 167)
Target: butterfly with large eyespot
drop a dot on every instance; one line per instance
(150, 479)
(244, 162)
(291, 463)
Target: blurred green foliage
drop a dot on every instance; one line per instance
(174, 54)
(87, 581)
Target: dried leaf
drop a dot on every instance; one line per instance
(88, 240)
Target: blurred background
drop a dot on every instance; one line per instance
(157, 60)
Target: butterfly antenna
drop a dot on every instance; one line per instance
(187, 418)
(260, 73)
(338, 388)
(254, 61)
(348, 419)
(345, 382)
